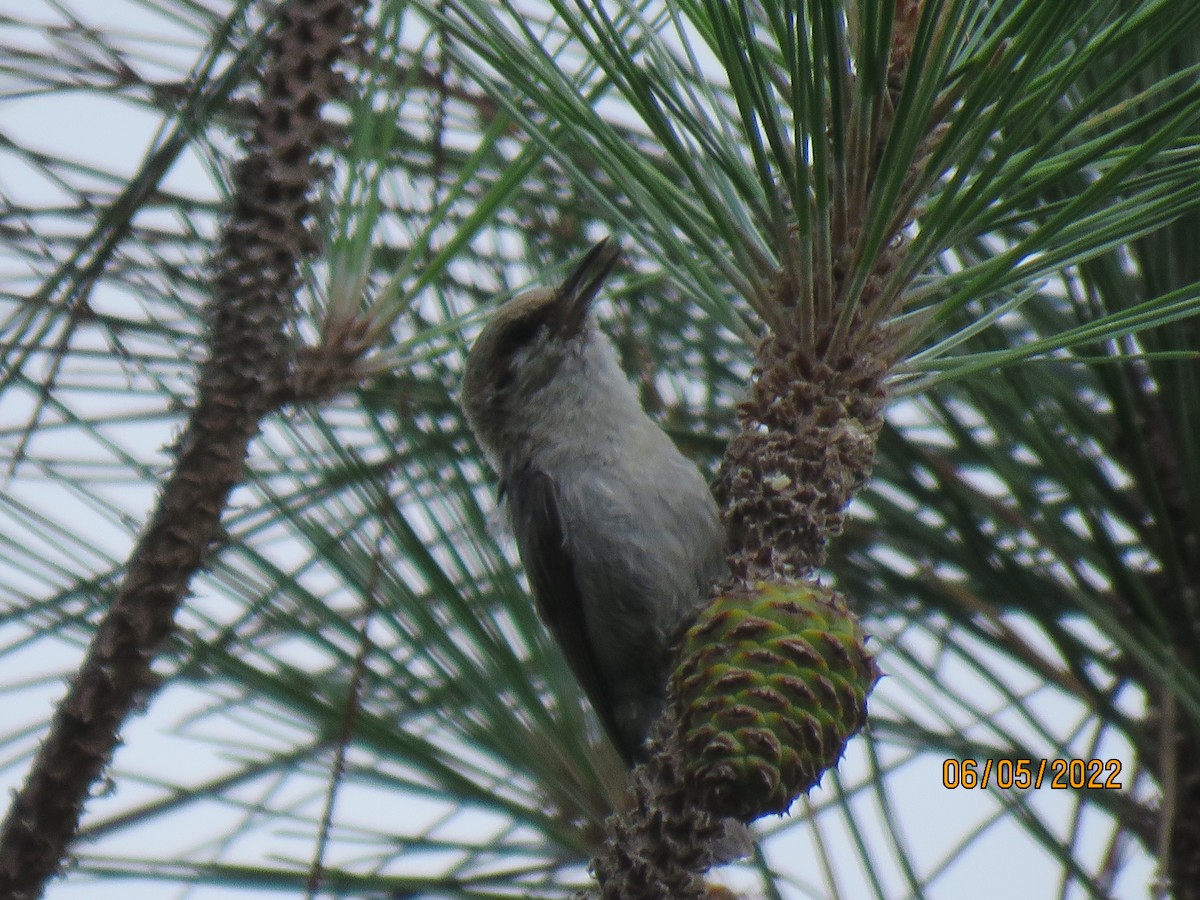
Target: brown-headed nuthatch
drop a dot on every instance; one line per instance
(618, 531)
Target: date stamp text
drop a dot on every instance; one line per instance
(1056, 774)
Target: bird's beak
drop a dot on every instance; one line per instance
(575, 296)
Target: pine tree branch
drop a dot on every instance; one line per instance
(256, 272)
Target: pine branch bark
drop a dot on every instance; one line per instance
(806, 445)
(663, 845)
(256, 272)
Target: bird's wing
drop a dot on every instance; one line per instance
(545, 548)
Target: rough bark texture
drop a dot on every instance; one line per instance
(662, 845)
(806, 444)
(255, 276)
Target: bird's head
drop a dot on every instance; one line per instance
(524, 347)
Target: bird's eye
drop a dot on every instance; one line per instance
(521, 332)
(518, 335)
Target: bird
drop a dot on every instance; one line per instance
(618, 531)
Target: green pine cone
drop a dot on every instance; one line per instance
(773, 683)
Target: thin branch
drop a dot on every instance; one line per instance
(353, 699)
